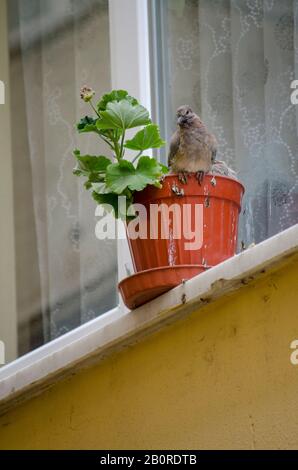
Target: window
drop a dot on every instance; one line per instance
(55, 274)
(233, 61)
(64, 275)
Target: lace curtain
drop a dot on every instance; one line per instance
(233, 61)
(65, 276)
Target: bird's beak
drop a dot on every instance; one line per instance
(181, 120)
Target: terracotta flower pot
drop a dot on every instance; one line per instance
(209, 212)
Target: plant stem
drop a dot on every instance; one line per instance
(122, 143)
(105, 140)
(100, 135)
(137, 156)
(94, 109)
(114, 147)
(113, 138)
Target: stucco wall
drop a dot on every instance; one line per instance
(222, 378)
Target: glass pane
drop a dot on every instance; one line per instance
(65, 276)
(233, 61)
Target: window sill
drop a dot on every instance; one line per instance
(37, 371)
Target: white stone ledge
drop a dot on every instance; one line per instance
(113, 331)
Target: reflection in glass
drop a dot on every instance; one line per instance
(65, 276)
(233, 61)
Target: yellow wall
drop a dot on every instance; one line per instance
(221, 378)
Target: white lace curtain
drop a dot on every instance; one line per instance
(56, 47)
(233, 61)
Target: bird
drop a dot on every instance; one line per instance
(192, 147)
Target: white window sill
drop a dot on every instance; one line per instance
(92, 342)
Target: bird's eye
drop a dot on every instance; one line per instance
(187, 112)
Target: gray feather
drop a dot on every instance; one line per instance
(174, 146)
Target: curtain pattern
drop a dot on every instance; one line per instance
(233, 61)
(60, 46)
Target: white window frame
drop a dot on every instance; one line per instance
(129, 46)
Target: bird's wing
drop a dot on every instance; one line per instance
(174, 146)
(213, 147)
(211, 143)
(208, 139)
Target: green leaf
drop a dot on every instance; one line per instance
(120, 176)
(93, 178)
(123, 175)
(110, 200)
(87, 124)
(100, 188)
(88, 185)
(147, 138)
(111, 203)
(152, 170)
(115, 95)
(90, 163)
(123, 115)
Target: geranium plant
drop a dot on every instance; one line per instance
(111, 176)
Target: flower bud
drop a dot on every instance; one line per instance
(87, 93)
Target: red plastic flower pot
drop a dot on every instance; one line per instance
(220, 198)
(215, 204)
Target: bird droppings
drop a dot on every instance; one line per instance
(219, 284)
(251, 245)
(207, 202)
(171, 250)
(178, 191)
(213, 181)
(205, 300)
(183, 299)
(246, 280)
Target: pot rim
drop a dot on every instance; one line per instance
(210, 176)
(233, 192)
